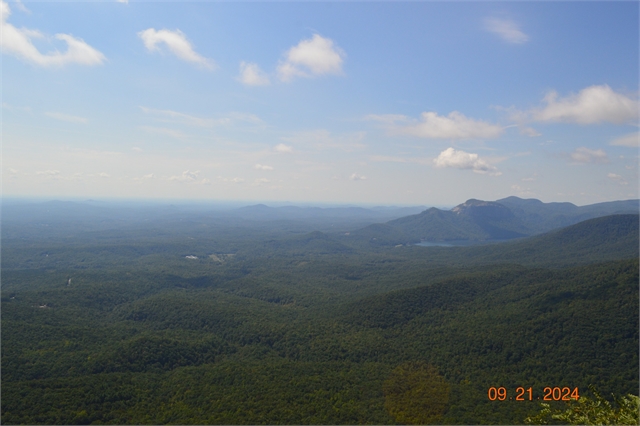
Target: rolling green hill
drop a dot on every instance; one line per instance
(197, 324)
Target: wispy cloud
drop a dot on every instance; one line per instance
(181, 118)
(508, 30)
(459, 159)
(164, 131)
(252, 75)
(10, 107)
(585, 155)
(356, 176)
(177, 43)
(21, 6)
(49, 174)
(433, 126)
(66, 117)
(313, 57)
(190, 177)
(631, 140)
(260, 181)
(618, 179)
(323, 139)
(17, 42)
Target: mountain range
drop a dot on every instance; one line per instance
(482, 221)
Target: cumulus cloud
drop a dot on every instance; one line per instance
(594, 104)
(356, 176)
(433, 126)
(262, 167)
(312, 57)
(177, 43)
(586, 155)
(104, 175)
(17, 42)
(459, 159)
(631, 140)
(66, 117)
(283, 148)
(506, 29)
(252, 75)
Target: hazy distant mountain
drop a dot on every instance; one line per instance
(541, 217)
(472, 220)
(477, 220)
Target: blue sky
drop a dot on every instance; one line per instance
(342, 102)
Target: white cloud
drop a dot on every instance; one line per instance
(252, 75)
(594, 104)
(177, 43)
(631, 140)
(104, 175)
(262, 167)
(181, 118)
(260, 181)
(122, 1)
(434, 126)
(617, 178)
(17, 42)
(586, 155)
(283, 148)
(136, 149)
(506, 29)
(232, 180)
(312, 57)
(21, 6)
(48, 173)
(356, 176)
(15, 108)
(66, 117)
(459, 159)
(529, 131)
(186, 176)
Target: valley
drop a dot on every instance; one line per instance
(193, 315)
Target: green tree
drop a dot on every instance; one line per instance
(596, 411)
(416, 394)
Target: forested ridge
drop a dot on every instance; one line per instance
(266, 327)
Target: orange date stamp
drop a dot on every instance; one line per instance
(549, 393)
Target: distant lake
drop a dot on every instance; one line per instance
(458, 243)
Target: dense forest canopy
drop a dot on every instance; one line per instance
(168, 314)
